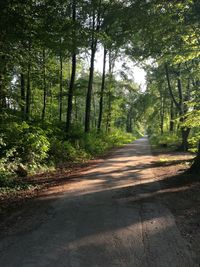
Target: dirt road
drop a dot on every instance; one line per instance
(105, 218)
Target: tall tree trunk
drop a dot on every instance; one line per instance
(195, 168)
(44, 86)
(102, 91)
(171, 124)
(184, 134)
(51, 103)
(76, 108)
(162, 114)
(91, 74)
(1, 93)
(28, 92)
(129, 122)
(170, 87)
(3, 67)
(73, 76)
(61, 85)
(94, 121)
(184, 130)
(89, 91)
(71, 94)
(180, 106)
(23, 96)
(28, 85)
(108, 123)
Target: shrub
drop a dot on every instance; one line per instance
(62, 151)
(94, 143)
(22, 143)
(193, 142)
(167, 139)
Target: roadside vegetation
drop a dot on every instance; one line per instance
(56, 107)
(27, 149)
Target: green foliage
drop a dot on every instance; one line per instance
(30, 145)
(22, 143)
(35, 143)
(192, 119)
(166, 139)
(81, 146)
(9, 184)
(35, 72)
(62, 151)
(193, 142)
(98, 143)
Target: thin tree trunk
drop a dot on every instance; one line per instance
(2, 93)
(180, 92)
(94, 112)
(89, 92)
(102, 91)
(129, 122)
(28, 85)
(3, 71)
(184, 130)
(61, 86)
(180, 106)
(91, 74)
(44, 86)
(72, 80)
(162, 113)
(71, 94)
(185, 134)
(28, 92)
(170, 87)
(171, 125)
(108, 123)
(51, 103)
(76, 109)
(23, 96)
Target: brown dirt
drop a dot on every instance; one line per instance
(181, 192)
(14, 203)
(53, 181)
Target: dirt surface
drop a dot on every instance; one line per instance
(115, 213)
(181, 193)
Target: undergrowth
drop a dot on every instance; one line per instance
(165, 140)
(30, 148)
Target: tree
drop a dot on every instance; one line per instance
(102, 91)
(73, 72)
(96, 14)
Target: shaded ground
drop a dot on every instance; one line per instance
(181, 193)
(113, 213)
(40, 183)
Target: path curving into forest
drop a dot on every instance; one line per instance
(108, 217)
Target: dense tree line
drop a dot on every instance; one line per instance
(49, 86)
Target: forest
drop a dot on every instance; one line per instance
(56, 106)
